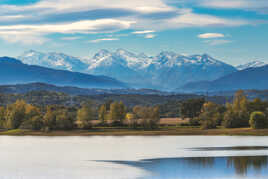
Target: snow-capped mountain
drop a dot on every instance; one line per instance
(253, 64)
(168, 70)
(122, 65)
(53, 60)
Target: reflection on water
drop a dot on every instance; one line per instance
(140, 157)
(202, 167)
(242, 164)
(230, 148)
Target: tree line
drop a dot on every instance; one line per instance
(21, 115)
(240, 113)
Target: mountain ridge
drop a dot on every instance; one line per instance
(247, 79)
(13, 71)
(167, 70)
(252, 64)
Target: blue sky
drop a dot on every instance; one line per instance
(234, 31)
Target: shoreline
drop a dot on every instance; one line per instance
(130, 132)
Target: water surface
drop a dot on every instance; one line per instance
(137, 157)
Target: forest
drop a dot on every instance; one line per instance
(89, 114)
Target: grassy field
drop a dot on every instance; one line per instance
(129, 132)
(169, 126)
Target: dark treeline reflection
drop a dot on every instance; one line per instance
(201, 167)
(207, 162)
(242, 164)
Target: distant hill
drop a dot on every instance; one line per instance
(26, 88)
(250, 78)
(13, 71)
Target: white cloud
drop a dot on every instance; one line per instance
(216, 42)
(35, 33)
(188, 20)
(88, 26)
(254, 5)
(23, 38)
(143, 32)
(141, 16)
(104, 39)
(198, 20)
(148, 6)
(11, 17)
(150, 36)
(210, 35)
(70, 38)
(225, 3)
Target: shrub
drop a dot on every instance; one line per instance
(231, 119)
(257, 120)
(64, 122)
(208, 124)
(32, 124)
(194, 121)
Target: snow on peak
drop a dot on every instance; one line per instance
(253, 64)
(102, 53)
(119, 57)
(52, 60)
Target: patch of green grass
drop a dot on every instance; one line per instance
(13, 132)
(163, 130)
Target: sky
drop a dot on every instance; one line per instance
(234, 31)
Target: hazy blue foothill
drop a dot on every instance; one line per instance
(13, 71)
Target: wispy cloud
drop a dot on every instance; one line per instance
(104, 39)
(210, 35)
(25, 38)
(216, 42)
(70, 38)
(102, 16)
(22, 33)
(253, 5)
(143, 32)
(150, 36)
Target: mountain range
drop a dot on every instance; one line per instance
(252, 64)
(13, 71)
(250, 78)
(123, 69)
(165, 71)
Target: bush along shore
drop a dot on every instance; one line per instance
(195, 117)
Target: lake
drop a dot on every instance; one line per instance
(134, 157)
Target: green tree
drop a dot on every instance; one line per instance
(2, 117)
(15, 114)
(117, 113)
(102, 113)
(31, 111)
(149, 116)
(258, 120)
(237, 113)
(50, 119)
(257, 105)
(210, 116)
(84, 117)
(64, 121)
(35, 123)
(191, 108)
